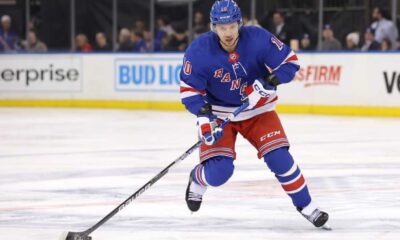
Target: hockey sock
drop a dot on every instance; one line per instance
(214, 172)
(289, 175)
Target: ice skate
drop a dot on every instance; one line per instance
(194, 194)
(317, 217)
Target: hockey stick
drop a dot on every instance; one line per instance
(85, 234)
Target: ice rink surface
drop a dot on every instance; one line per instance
(65, 169)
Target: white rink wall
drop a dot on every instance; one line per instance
(352, 83)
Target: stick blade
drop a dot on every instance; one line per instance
(326, 227)
(74, 236)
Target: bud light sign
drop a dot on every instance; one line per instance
(148, 73)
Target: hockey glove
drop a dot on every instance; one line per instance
(209, 132)
(259, 93)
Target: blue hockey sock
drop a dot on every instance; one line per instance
(214, 172)
(289, 175)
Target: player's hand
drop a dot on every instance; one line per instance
(209, 132)
(259, 94)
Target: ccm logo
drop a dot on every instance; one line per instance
(269, 135)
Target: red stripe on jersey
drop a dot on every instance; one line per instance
(292, 59)
(294, 185)
(189, 89)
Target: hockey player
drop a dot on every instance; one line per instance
(222, 69)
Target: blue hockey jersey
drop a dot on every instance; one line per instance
(210, 74)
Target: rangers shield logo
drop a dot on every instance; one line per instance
(233, 57)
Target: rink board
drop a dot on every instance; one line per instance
(327, 83)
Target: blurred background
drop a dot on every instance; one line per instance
(170, 25)
(348, 51)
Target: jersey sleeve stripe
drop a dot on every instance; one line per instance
(189, 94)
(291, 58)
(190, 89)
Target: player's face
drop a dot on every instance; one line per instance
(228, 33)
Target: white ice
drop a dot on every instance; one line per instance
(65, 169)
